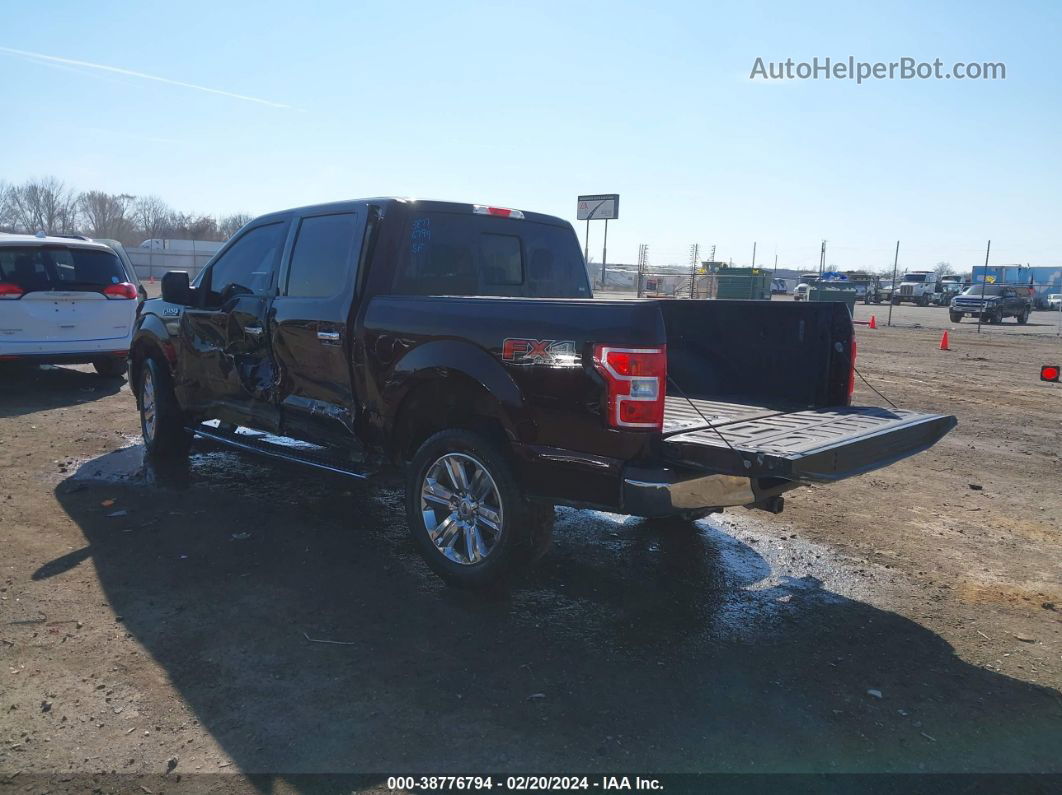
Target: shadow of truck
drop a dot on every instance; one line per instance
(633, 646)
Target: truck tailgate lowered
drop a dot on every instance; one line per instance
(813, 445)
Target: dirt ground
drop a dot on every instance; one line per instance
(237, 616)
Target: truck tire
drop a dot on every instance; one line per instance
(996, 317)
(1023, 318)
(161, 419)
(111, 367)
(467, 514)
(923, 300)
(956, 317)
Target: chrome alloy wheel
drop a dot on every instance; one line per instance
(461, 508)
(147, 405)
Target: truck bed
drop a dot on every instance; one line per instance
(808, 445)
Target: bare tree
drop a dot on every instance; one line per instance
(228, 225)
(106, 214)
(5, 212)
(943, 269)
(195, 227)
(152, 216)
(42, 205)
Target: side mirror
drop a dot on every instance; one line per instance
(175, 289)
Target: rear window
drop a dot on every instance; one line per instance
(36, 268)
(457, 254)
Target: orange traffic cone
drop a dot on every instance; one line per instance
(944, 342)
(873, 322)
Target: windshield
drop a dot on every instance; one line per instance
(36, 268)
(990, 289)
(914, 277)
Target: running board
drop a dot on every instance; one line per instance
(256, 442)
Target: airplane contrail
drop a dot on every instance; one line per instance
(131, 73)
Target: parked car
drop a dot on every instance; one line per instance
(458, 345)
(65, 300)
(993, 302)
(1054, 302)
(800, 292)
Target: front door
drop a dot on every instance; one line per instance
(226, 368)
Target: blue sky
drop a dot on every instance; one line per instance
(529, 104)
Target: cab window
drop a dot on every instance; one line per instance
(246, 268)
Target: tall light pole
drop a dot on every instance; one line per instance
(895, 264)
(984, 281)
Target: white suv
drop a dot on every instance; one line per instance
(65, 301)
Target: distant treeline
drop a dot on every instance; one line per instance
(48, 205)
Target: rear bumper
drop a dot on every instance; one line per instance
(10, 346)
(664, 491)
(83, 357)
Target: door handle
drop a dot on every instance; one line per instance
(254, 331)
(328, 336)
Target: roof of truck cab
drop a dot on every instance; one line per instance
(8, 239)
(426, 205)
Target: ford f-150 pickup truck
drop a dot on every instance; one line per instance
(992, 302)
(459, 345)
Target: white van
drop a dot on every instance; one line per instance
(800, 292)
(65, 301)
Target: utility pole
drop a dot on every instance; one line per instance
(604, 254)
(754, 254)
(822, 258)
(895, 263)
(643, 263)
(984, 281)
(775, 272)
(695, 251)
(586, 245)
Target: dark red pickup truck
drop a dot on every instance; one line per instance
(460, 345)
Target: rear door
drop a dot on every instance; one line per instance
(64, 299)
(225, 367)
(310, 327)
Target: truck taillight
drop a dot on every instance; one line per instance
(637, 384)
(851, 370)
(121, 291)
(10, 291)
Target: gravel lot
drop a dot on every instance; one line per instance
(166, 623)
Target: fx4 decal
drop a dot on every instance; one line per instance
(517, 350)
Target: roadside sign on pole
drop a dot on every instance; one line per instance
(598, 207)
